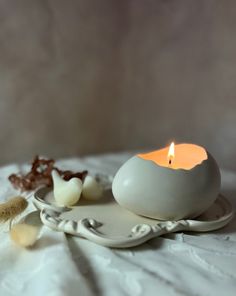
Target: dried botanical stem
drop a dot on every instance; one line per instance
(40, 174)
(12, 208)
(24, 235)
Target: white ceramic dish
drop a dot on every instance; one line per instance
(107, 223)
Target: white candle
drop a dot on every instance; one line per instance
(168, 184)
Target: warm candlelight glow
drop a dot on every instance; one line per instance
(171, 153)
(177, 156)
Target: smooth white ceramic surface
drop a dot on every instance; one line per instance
(107, 223)
(150, 190)
(172, 265)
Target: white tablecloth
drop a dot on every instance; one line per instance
(176, 264)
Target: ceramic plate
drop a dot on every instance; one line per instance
(106, 223)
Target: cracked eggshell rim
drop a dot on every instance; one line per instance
(150, 190)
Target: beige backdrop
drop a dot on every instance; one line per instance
(81, 77)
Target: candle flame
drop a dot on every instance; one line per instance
(171, 153)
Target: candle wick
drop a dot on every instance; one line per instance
(170, 161)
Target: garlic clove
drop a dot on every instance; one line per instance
(24, 235)
(92, 190)
(66, 193)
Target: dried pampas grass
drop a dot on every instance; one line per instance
(24, 235)
(12, 208)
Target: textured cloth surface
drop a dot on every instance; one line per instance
(176, 264)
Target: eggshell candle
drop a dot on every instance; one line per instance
(163, 186)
